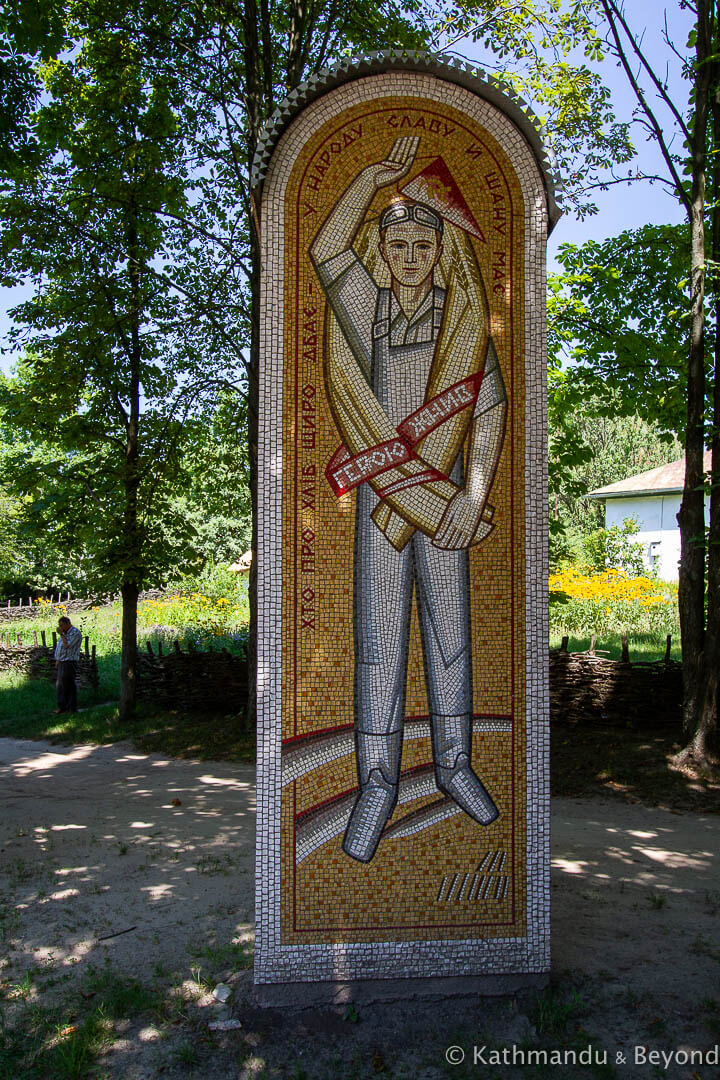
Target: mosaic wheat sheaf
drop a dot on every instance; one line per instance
(397, 570)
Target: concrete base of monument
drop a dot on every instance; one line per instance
(304, 995)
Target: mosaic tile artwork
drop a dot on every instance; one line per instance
(402, 683)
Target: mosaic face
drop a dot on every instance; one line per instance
(411, 252)
(403, 703)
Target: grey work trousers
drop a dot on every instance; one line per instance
(384, 580)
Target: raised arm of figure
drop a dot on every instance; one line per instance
(338, 232)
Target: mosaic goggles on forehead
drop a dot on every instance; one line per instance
(399, 213)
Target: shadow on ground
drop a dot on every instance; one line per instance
(127, 887)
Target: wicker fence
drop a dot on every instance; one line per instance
(586, 687)
(37, 660)
(193, 681)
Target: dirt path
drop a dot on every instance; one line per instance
(99, 841)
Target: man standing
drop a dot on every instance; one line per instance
(418, 396)
(67, 655)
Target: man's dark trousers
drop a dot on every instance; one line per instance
(66, 685)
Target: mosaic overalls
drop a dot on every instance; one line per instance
(401, 356)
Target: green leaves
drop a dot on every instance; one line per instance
(617, 334)
(619, 316)
(533, 49)
(131, 330)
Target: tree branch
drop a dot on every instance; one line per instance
(661, 89)
(609, 9)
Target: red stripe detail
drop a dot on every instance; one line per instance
(425, 767)
(341, 455)
(365, 465)
(378, 459)
(323, 732)
(459, 396)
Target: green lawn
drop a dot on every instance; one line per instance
(643, 647)
(26, 712)
(26, 705)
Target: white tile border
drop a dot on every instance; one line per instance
(275, 962)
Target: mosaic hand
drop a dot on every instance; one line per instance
(461, 524)
(397, 164)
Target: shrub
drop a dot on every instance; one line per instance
(611, 601)
(615, 547)
(216, 616)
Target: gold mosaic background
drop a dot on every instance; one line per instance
(432, 884)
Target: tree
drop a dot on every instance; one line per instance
(618, 322)
(616, 547)
(694, 126)
(127, 333)
(216, 497)
(29, 560)
(215, 73)
(31, 32)
(130, 207)
(257, 58)
(203, 514)
(545, 51)
(593, 444)
(617, 319)
(252, 55)
(9, 515)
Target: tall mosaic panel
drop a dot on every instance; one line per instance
(402, 563)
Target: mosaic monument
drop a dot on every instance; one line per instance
(404, 206)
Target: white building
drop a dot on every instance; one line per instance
(653, 499)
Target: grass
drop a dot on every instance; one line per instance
(233, 955)
(591, 759)
(214, 864)
(552, 1011)
(186, 1054)
(120, 996)
(26, 712)
(64, 1041)
(643, 647)
(26, 705)
(206, 737)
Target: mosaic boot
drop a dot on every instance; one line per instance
(452, 743)
(378, 758)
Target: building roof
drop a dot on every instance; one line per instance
(664, 480)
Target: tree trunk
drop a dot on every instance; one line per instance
(691, 518)
(128, 670)
(702, 743)
(130, 588)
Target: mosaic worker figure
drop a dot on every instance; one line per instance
(418, 397)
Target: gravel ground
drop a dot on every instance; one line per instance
(119, 865)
